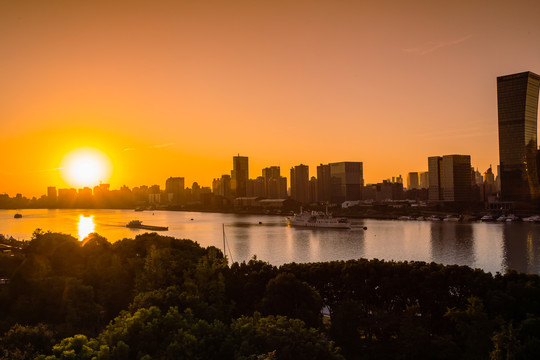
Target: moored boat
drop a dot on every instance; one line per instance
(451, 218)
(512, 218)
(318, 220)
(487, 218)
(406, 218)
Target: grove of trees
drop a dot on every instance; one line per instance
(157, 297)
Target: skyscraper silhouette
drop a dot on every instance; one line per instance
(517, 103)
(450, 178)
(240, 175)
(300, 183)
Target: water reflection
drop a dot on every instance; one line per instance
(452, 243)
(521, 248)
(85, 226)
(489, 246)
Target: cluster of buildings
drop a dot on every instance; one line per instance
(449, 178)
(517, 183)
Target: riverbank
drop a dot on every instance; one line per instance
(375, 212)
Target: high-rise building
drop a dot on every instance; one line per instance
(239, 175)
(85, 194)
(517, 104)
(389, 191)
(450, 178)
(498, 179)
(67, 197)
(489, 178)
(412, 180)
(195, 192)
(174, 189)
(154, 194)
(488, 186)
(300, 183)
(477, 178)
(52, 194)
(222, 186)
(457, 177)
(313, 197)
(271, 177)
(282, 188)
(424, 179)
(434, 171)
(324, 185)
(347, 180)
(256, 187)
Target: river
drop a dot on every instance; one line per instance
(493, 247)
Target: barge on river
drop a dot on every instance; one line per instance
(137, 224)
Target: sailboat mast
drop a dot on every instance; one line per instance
(224, 248)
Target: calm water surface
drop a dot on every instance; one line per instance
(493, 247)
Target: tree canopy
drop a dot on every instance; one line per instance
(157, 297)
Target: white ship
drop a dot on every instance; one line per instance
(318, 220)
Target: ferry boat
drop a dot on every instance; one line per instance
(137, 224)
(318, 219)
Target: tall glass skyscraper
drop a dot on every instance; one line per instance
(346, 181)
(517, 103)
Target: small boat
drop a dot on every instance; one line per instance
(433, 218)
(534, 218)
(137, 224)
(501, 218)
(487, 218)
(451, 218)
(406, 218)
(17, 216)
(512, 218)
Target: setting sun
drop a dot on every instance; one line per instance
(86, 167)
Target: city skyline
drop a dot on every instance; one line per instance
(175, 88)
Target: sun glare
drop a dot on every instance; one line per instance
(85, 226)
(86, 167)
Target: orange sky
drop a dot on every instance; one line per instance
(176, 88)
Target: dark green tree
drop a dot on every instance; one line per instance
(288, 296)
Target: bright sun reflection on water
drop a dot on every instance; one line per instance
(85, 226)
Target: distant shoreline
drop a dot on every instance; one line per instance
(468, 216)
